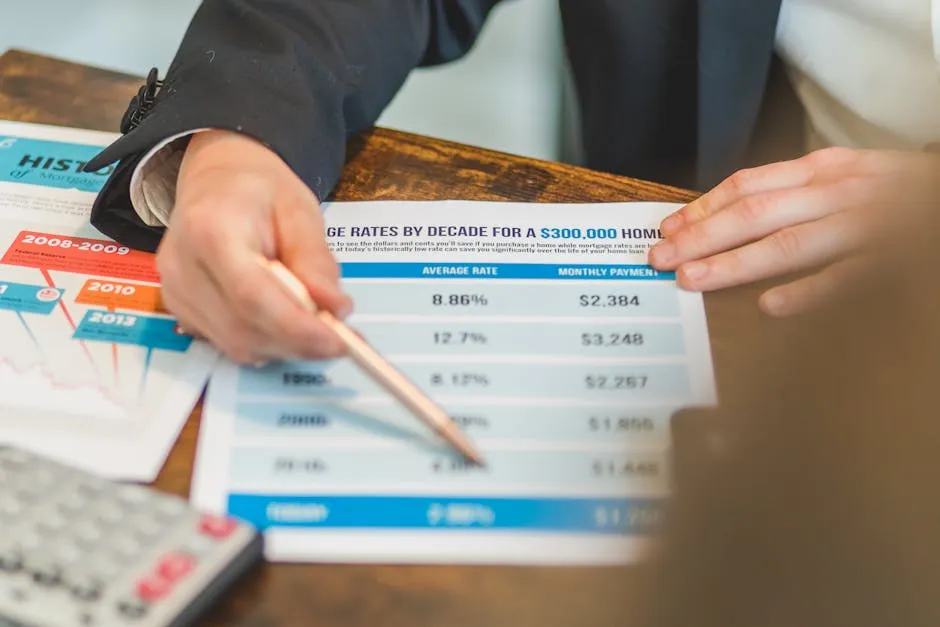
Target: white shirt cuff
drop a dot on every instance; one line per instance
(153, 183)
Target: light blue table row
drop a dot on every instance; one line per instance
(312, 421)
(617, 339)
(314, 467)
(567, 381)
(494, 298)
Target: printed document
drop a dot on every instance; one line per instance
(544, 333)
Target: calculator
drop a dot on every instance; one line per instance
(78, 550)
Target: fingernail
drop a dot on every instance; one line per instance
(662, 252)
(694, 270)
(773, 303)
(671, 224)
(345, 310)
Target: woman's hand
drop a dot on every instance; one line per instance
(822, 211)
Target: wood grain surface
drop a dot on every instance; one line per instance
(385, 164)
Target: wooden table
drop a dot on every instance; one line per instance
(385, 164)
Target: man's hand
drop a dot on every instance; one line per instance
(236, 200)
(824, 211)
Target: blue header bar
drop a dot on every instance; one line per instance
(564, 515)
(577, 272)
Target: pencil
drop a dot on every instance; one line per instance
(378, 368)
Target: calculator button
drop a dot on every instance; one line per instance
(29, 494)
(145, 528)
(86, 532)
(14, 456)
(217, 527)
(132, 608)
(133, 494)
(175, 566)
(126, 546)
(43, 477)
(170, 507)
(11, 560)
(10, 506)
(153, 588)
(102, 568)
(66, 553)
(86, 588)
(52, 523)
(199, 545)
(45, 573)
(91, 487)
(27, 541)
(72, 503)
(110, 513)
(19, 594)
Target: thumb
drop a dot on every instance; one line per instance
(303, 250)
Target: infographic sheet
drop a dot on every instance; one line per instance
(93, 370)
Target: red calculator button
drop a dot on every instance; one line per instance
(217, 526)
(175, 566)
(153, 588)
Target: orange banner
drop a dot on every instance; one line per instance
(66, 253)
(114, 295)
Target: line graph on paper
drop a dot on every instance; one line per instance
(82, 326)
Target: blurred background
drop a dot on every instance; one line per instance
(506, 95)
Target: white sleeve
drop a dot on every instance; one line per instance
(153, 183)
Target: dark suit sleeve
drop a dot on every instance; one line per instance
(300, 76)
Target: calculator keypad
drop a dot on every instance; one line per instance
(80, 551)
